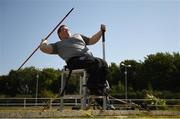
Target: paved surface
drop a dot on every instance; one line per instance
(86, 113)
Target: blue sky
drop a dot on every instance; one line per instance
(135, 28)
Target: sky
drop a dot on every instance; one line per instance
(135, 29)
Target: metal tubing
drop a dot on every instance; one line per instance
(103, 43)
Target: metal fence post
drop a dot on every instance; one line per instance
(24, 103)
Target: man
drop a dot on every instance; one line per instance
(73, 49)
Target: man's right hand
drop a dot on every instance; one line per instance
(45, 47)
(44, 41)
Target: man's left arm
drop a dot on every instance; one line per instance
(96, 37)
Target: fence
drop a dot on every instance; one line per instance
(74, 100)
(34, 102)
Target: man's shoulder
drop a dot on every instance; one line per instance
(76, 35)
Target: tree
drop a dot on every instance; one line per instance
(134, 76)
(27, 81)
(158, 72)
(49, 80)
(158, 69)
(114, 75)
(176, 73)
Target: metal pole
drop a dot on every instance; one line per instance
(103, 43)
(62, 86)
(37, 77)
(125, 82)
(125, 74)
(105, 98)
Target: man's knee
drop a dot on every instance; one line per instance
(101, 63)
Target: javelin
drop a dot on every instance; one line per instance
(46, 38)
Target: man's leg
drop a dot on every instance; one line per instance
(97, 70)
